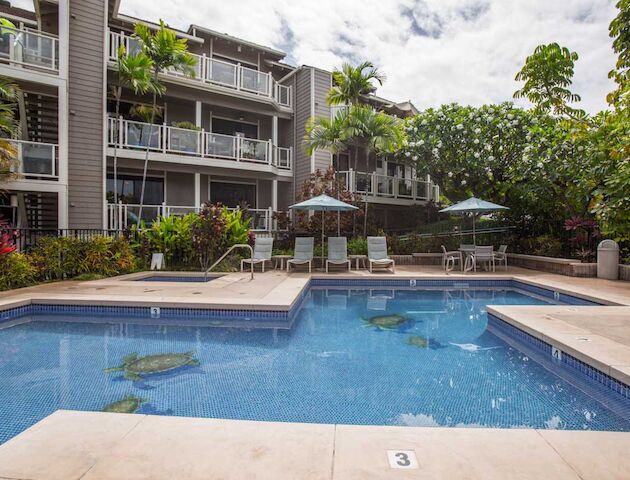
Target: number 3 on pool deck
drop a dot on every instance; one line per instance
(404, 459)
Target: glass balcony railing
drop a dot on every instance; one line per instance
(217, 72)
(35, 160)
(29, 49)
(376, 185)
(132, 135)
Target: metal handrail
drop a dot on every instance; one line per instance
(238, 245)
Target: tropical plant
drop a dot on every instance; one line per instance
(186, 125)
(350, 83)
(166, 52)
(620, 33)
(16, 271)
(7, 245)
(172, 236)
(134, 72)
(208, 234)
(547, 74)
(237, 227)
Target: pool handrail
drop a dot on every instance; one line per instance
(238, 245)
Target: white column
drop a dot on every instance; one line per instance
(62, 113)
(197, 189)
(274, 129)
(64, 38)
(62, 207)
(274, 195)
(198, 113)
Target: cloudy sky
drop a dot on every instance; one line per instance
(432, 51)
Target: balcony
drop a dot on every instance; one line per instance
(123, 216)
(197, 144)
(213, 72)
(387, 189)
(24, 48)
(36, 161)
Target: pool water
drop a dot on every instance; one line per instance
(439, 366)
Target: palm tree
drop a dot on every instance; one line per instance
(351, 83)
(9, 127)
(134, 72)
(166, 52)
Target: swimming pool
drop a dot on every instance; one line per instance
(378, 356)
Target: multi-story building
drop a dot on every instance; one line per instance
(231, 133)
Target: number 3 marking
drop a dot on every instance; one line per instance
(403, 459)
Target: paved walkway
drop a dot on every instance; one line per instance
(106, 446)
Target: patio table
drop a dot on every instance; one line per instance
(282, 259)
(357, 258)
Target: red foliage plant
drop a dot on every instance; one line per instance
(6, 239)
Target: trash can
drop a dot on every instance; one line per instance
(608, 260)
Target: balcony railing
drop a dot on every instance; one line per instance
(122, 216)
(29, 49)
(128, 134)
(217, 72)
(36, 160)
(376, 185)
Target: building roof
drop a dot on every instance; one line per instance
(278, 53)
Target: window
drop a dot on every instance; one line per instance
(341, 162)
(130, 187)
(234, 128)
(233, 194)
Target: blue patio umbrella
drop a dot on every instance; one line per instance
(324, 203)
(475, 206)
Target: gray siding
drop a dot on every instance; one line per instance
(180, 189)
(321, 86)
(302, 165)
(85, 99)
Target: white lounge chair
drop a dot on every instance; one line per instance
(484, 254)
(337, 252)
(303, 253)
(450, 258)
(262, 252)
(377, 254)
(501, 255)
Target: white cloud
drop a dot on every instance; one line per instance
(433, 51)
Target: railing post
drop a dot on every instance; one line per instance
(120, 132)
(202, 143)
(269, 219)
(269, 157)
(119, 219)
(164, 133)
(238, 142)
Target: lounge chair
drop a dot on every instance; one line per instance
(337, 252)
(303, 253)
(483, 254)
(450, 258)
(377, 254)
(263, 247)
(501, 255)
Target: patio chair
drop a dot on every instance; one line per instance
(484, 254)
(450, 258)
(501, 255)
(303, 253)
(337, 252)
(263, 247)
(377, 254)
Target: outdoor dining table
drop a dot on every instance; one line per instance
(467, 253)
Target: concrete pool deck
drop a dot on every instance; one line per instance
(87, 445)
(107, 446)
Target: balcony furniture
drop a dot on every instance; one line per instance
(357, 259)
(483, 255)
(263, 247)
(337, 252)
(377, 254)
(501, 255)
(450, 258)
(303, 253)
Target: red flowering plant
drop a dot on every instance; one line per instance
(209, 233)
(584, 234)
(6, 239)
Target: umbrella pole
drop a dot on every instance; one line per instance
(339, 224)
(474, 234)
(323, 220)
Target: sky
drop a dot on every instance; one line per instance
(432, 51)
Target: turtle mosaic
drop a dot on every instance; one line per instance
(393, 321)
(129, 404)
(423, 342)
(135, 367)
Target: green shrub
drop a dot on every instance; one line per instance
(544, 245)
(66, 257)
(357, 246)
(16, 271)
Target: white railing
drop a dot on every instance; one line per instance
(35, 159)
(132, 135)
(29, 49)
(377, 185)
(121, 216)
(217, 72)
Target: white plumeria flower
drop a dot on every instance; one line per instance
(580, 148)
(510, 116)
(476, 155)
(435, 151)
(477, 130)
(414, 158)
(476, 141)
(459, 126)
(424, 122)
(421, 142)
(450, 174)
(407, 154)
(463, 183)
